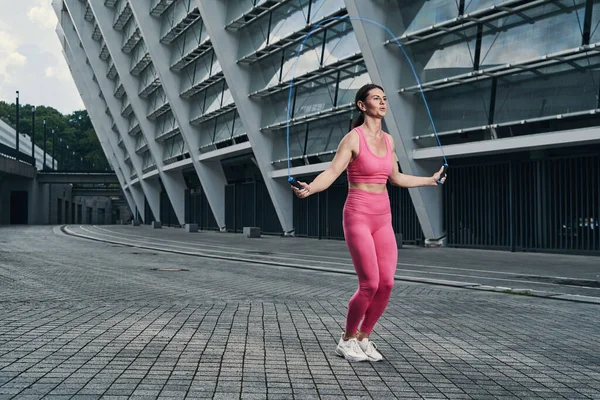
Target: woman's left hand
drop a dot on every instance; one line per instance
(437, 176)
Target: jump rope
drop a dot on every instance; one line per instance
(291, 179)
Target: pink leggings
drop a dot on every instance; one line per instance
(368, 231)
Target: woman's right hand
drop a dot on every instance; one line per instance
(304, 192)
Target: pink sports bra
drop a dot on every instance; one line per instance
(368, 167)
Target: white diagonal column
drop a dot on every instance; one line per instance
(225, 45)
(400, 118)
(173, 181)
(210, 173)
(100, 121)
(76, 33)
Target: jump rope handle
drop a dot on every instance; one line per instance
(439, 181)
(294, 182)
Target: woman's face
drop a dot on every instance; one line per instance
(375, 104)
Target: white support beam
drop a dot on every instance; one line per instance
(76, 31)
(210, 172)
(225, 44)
(173, 181)
(402, 108)
(229, 151)
(178, 164)
(303, 170)
(101, 123)
(540, 141)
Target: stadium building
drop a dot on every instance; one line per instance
(190, 100)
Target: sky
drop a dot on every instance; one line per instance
(31, 59)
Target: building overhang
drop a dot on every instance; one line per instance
(540, 141)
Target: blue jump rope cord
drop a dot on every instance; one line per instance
(290, 179)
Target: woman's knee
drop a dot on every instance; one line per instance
(386, 286)
(369, 288)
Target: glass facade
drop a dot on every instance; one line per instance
(490, 70)
(501, 65)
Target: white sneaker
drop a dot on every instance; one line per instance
(350, 350)
(370, 349)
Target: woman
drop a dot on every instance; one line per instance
(367, 153)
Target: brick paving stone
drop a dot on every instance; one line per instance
(252, 396)
(111, 326)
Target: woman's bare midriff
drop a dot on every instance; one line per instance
(368, 187)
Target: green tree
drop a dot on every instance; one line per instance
(76, 131)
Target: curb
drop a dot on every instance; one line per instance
(440, 282)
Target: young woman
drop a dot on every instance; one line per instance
(368, 155)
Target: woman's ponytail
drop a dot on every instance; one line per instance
(358, 121)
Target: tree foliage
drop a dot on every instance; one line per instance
(76, 131)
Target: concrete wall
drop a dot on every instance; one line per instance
(53, 204)
(94, 210)
(37, 210)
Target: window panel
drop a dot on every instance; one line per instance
(277, 110)
(147, 76)
(206, 132)
(189, 41)
(288, 19)
(256, 36)
(595, 27)
(311, 97)
(308, 61)
(526, 95)
(197, 72)
(140, 141)
(296, 148)
(165, 123)
(224, 128)
(173, 147)
(140, 51)
(197, 105)
(315, 96)
(216, 67)
(454, 108)
(243, 6)
(207, 101)
(133, 122)
(350, 85)
(318, 94)
(147, 161)
(323, 8)
(443, 61)
(270, 69)
(176, 13)
(424, 13)
(238, 126)
(342, 44)
(213, 99)
(297, 141)
(227, 97)
(553, 33)
(157, 99)
(130, 30)
(325, 135)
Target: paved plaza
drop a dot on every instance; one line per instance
(135, 316)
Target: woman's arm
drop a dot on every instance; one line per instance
(410, 181)
(340, 162)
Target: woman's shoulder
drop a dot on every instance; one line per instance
(351, 140)
(352, 136)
